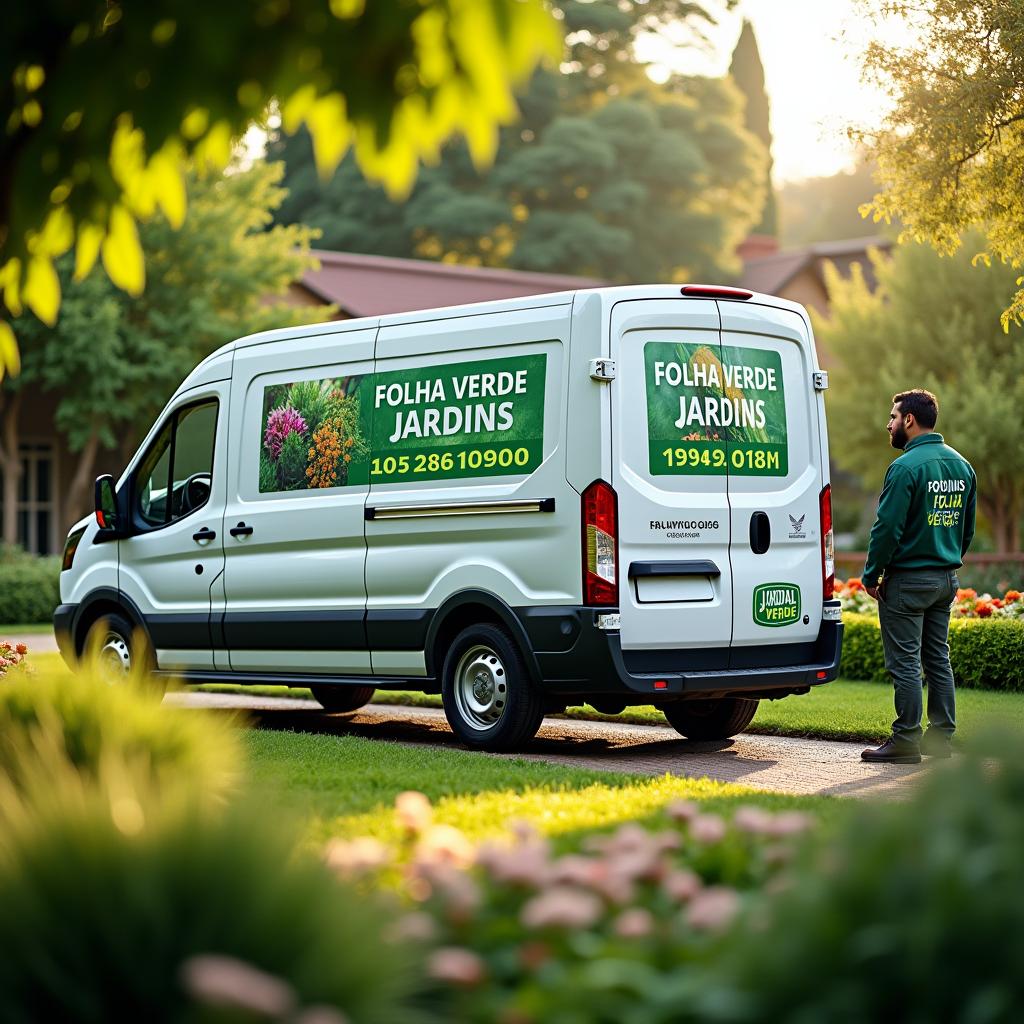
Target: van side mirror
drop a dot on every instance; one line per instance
(106, 503)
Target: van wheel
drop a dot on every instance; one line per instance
(342, 697)
(711, 719)
(486, 691)
(122, 652)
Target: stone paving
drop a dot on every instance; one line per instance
(782, 764)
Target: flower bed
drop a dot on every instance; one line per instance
(969, 603)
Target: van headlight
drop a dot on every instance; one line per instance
(70, 547)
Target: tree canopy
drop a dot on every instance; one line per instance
(931, 323)
(103, 103)
(748, 73)
(951, 151)
(606, 173)
(113, 360)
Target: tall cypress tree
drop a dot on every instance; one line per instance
(748, 73)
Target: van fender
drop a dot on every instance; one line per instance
(451, 618)
(106, 596)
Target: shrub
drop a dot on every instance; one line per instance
(29, 587)
(191, 917)
(513, 932)
(82, 734)
(985, 654)
(912, 912)
(862, 649)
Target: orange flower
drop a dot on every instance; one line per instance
(983, 609)
(854, 584)
(1012, 595)
(966, 595)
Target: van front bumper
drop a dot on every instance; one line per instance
(63, 630)
(596, 664)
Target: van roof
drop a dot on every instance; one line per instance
(609, 295)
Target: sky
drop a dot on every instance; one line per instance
(810, 50)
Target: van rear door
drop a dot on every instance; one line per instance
(775, 481)
(675, 581)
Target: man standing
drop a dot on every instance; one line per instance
(925, 525)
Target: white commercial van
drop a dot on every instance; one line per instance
(617, 496)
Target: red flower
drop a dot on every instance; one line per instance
(983, 609)
(21, 649)
(996, 603)
(854, 584)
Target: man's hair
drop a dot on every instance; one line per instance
(920, 404)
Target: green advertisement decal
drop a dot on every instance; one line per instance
(482, 418)
(713, 410)
(776, 604)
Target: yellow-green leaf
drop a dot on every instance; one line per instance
(122, 253)
(10, 361)
(90, 237)
(41, 290)
(166, 171)
(10, 282)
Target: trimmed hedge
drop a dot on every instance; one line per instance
(985, 654)
(29, 587)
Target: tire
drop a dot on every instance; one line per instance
(711, 719)
(488, 698)
(122, 651)
(342, 697)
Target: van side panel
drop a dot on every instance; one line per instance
(433, 532)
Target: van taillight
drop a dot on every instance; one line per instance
(828, 559)
(600, 545)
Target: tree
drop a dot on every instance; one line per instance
(605, 174)
(103, 103)
(748, 73)
(114, 360)
(931, 323)
(826, 209)
(951, 151)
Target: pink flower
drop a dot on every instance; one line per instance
(682, 810)
(281, 423)
(789, 823)
(228, 982)
(413, 927)
(634, 924)
(445, 844)
(707, 828)
(561, 906)
(355, 857)
(456, 966)
(753, 820)
(524, 864)
(681, 885)
(713, 908)
(413, 811)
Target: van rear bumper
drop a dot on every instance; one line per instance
(596, 664)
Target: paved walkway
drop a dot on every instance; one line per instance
(40, 643)
(783, 764)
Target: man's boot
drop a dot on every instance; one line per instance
(892, 751)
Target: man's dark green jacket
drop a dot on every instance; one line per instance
(926, 511)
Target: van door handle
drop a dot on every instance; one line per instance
(760, 533)
(241, 530)
(204, 534)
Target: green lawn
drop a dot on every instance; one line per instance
(8, 629)
(346, 786)
(843, 710)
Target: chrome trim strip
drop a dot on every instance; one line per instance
(460, 508)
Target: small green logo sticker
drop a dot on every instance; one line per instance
(776, 604)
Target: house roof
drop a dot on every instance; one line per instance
(374, 285)
(772, 273)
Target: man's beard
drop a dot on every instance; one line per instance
(899, 438)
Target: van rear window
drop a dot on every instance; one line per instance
(713, 410)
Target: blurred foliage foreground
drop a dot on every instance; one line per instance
(138, 880)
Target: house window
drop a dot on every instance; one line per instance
(36, 511)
